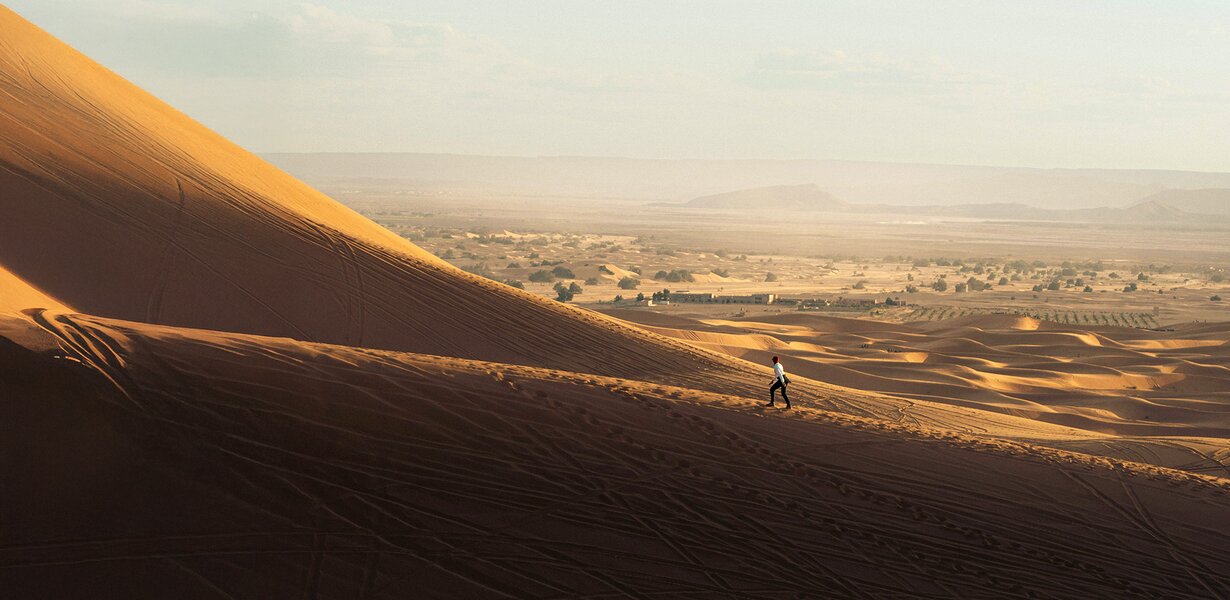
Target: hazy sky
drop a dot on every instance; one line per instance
(1038, 83)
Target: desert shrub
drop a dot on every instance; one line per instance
(860, 284)
(591, 281)
(636, 270)
(604, 269)
(721, 272)
(1088, 289)
(1053, 285)
(562, 293)
(575, 288)
(940, 285)
(1131, 287)
(678, 275)
(770, 277)
(974, 284)
(1215, 298)
(514, 283)
(960, 288)
(660, 275)
(629, 283)
(542, 276)
(911, 289)
(513, 265)
(563, 272)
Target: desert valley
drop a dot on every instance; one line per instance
(225, 375)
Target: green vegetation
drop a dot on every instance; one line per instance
(542, 276)
(678, 275)
(629, 283)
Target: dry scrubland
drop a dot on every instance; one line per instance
(217, 382)
(1075, 291)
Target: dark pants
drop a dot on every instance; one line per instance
(777, 385)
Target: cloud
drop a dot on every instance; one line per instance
(837, 71)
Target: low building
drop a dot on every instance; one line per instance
(694, 297)
(747, 299)
(711, 298)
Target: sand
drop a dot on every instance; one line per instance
(1151, 384)
(216, 382)
(223, 465)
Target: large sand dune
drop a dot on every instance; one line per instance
(225, 465)
(118, 205)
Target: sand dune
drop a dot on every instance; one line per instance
(17, 294)
(118, 205)
(1110, 380)
(226, 465)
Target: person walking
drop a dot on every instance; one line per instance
(780, 381)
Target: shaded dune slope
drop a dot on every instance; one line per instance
(335, 472)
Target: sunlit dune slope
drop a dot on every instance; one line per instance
(17, 294)
(1170, 385)
(118, 205)
(148, 461)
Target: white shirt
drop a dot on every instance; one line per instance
(779, 372)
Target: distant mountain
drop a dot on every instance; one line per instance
(806, 197)
(812, 198)
(1207, 201)
(664, 180)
